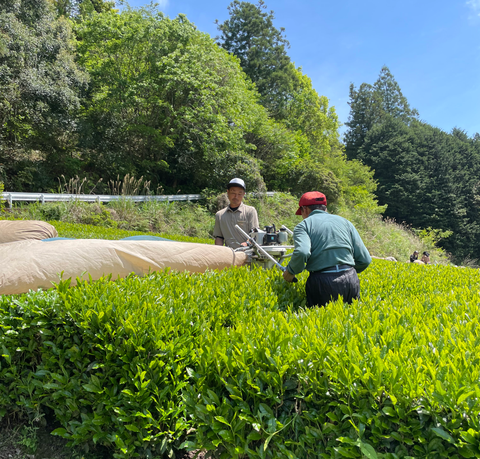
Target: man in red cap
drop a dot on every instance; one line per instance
(330, 248)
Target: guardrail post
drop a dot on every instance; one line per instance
(43, 198)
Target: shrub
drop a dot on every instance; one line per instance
(232, 363)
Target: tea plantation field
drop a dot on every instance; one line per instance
(232, 363)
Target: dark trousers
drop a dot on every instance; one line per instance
(321, 288)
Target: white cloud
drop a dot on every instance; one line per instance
(164, 3)
(474, 6)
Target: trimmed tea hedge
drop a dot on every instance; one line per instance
(80, 231)
(231, 362)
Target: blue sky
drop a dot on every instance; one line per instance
(432, 48)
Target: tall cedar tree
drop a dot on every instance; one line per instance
(372, 105)
(250, 35)
(428, 179)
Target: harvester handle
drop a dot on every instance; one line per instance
(264, 252)
(287, 230)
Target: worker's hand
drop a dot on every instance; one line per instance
(245, 244)
(288, 276)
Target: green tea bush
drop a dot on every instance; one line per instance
(111, 366)
(79, 231)
(233, 363)
(185, 218)
(394, 375)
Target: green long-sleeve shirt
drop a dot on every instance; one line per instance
(323, 240)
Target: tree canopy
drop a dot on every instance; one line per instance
(135, 92)
(288, 95)
(168, 103)
(371, 105)
(250, 35)
(76, 9)
(40, 88)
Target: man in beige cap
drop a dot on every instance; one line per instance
(237, 213)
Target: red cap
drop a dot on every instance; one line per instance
(312, 198)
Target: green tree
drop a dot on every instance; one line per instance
(307, 113)
(79, 8)
(39, 94)
(364, 114)
(371, 105)
(426, 177)
(392, 150)
(311, 157)
(250, 35)
(167, 103)
(393, 102)
(322, 163)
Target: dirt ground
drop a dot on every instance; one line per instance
(18, 441)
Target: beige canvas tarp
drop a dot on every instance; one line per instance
(21, 230)
(31, 265)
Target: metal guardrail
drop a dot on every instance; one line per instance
(10, 197)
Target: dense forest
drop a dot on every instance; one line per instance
(426, 177)
(92, 92)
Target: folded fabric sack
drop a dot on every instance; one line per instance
(29, 265)
(21, 230)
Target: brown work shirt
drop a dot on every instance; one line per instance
(225, 220)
